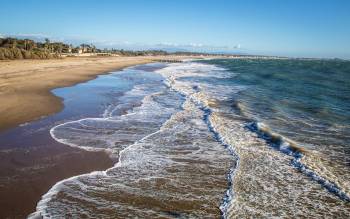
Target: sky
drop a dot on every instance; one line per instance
(297, 28)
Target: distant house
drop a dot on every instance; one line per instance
(85, 48)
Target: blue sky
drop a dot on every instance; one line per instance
(309, 28)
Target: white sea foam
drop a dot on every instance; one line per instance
(166, 168)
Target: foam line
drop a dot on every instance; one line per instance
(43, 203)
(290, 148)
(229, 194)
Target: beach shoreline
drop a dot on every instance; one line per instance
(25, 85)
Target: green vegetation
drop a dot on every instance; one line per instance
(13, 48)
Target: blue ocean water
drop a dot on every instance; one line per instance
(305, 100)
(299, 98)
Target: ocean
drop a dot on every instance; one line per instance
(231, 138)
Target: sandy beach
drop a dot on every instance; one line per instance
(25, 84)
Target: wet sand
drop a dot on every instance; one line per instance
(27, 174)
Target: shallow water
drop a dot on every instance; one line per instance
(211, 139)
